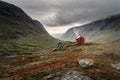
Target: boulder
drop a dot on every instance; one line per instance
(67, 75)
(54, 49)
(86, 63)
(63, 45)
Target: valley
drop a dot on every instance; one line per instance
(29, 52)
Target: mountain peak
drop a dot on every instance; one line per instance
(10, 10)
(17, 27)
(105, 30)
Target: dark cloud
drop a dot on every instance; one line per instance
(66, 12)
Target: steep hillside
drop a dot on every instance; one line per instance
(19, 32)
(106, 30)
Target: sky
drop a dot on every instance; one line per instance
(57, 16)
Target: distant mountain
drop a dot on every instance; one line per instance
(106, 30)
(19, 31)
(58, 36)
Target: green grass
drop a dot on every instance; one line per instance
(37, 76)
(17, 38)
(98, 63)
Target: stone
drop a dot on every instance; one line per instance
(116, 66)
(86, 63)
(54, 49)
(67, 75)
(63, 45)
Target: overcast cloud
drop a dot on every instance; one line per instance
(56, 13)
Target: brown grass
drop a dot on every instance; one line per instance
(67, 60)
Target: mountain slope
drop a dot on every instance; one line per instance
(19, 32)
(106, 30)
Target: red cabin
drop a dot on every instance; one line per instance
(80, 40)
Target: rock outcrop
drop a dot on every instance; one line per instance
(67, 75)
(116, 66)
(64, 45)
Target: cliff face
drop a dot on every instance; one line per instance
(17, 28)
(106, 30)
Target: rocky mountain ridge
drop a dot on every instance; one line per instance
(19, 31)
(105, 30)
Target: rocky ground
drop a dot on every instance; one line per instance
(67, 75)
(40, 64)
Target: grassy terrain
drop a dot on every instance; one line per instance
(36, 65)
(17, 37)
(19, 40)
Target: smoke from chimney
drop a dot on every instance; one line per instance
(76, 32)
